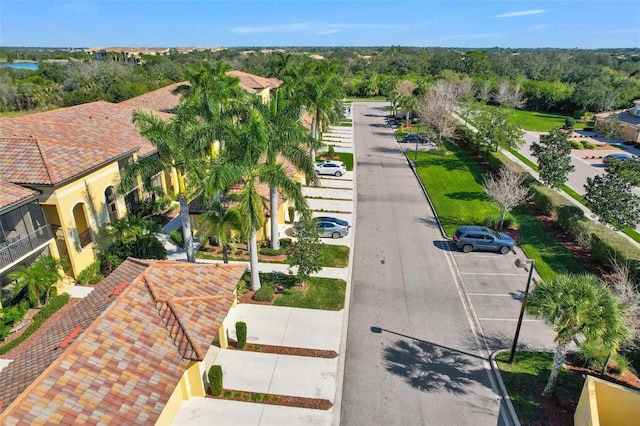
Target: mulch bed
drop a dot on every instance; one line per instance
(285, 350)
(272, 399)
(240, 252)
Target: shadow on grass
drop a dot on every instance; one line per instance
(430, 367)
(467, 195)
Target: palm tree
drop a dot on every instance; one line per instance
(38, 278)
(285, 134)
(244, 162)
(409, 103)
(218, 222)
(574, 305)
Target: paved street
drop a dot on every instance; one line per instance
(412, 355)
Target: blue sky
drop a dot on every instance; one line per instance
(212, 23)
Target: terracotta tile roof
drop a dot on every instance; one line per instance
(162, 100)
(31, 161)
(132, 351)
(255, 82)
(165, 101)
(98, 123)
(11, 194)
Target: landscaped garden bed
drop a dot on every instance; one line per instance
(272, 399)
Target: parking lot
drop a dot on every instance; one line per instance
(495, 287)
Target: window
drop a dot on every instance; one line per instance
(82, 225)
(131, 200)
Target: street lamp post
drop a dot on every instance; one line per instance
(521, 264)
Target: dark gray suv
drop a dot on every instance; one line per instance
(470, 238)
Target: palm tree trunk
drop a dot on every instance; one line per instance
(273, 201)
(313, 135)
(558, 360)
(186, 228)
(253, 262)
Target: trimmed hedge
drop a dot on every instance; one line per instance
(547, 200)
(54, 305)
(215, 379)
(241, 334)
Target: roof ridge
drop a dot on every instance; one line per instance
(185, 332)
(45, 163)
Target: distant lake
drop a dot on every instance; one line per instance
(23, 65)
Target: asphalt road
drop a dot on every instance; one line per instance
(415, 352)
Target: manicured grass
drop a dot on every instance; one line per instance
(540, 121)
(334, 256)
(454, 184)
(320, 293)
(528, 374)
(345, 157)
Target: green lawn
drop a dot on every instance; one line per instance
(528, 374)
(540, 121)
(321, 293)
(454, 184)
(345, 157)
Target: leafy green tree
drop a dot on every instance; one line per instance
(305, 254)
(575, 305)
(554, 157)
(610, 127)
(37, 278)
(626, 170)
(610, 197)
(494, 127)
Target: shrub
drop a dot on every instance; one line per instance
(108, 263)
(588, 129)
(292, 214)
(285, 243)
(264, 293)
(268, 251)
(241, 334)
(570, 123)
(546, 199)
(11, 315)
(570, 219)
(576, 145)
(56, 302)
(606, 246)
(90, 275)
(241, 288)
(331, 152)
(578, 114)
(493, 222)
(215, 379)
(177, 237)
(589, 145)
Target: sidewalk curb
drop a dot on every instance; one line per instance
(503, 390)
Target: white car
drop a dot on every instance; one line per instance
(333, 168)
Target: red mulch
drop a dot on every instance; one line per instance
(240, 252)
(285, 350)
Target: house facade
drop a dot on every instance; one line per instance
(629, 121)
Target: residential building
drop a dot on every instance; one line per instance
(128, 353)
(72, 159)
(629, 121)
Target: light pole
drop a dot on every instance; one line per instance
(521, 264)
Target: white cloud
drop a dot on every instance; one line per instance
(328, 32)
(521, 13)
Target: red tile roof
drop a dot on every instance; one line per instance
(133, 349)
(255, 82)
(31, 161)
(11, 194)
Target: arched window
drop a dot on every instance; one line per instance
(110, 202)
(82, 225)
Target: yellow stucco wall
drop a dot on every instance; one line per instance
(191, 384)
(607, 404)
(85, 194)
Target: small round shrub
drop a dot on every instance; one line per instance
(570, 123)
(589, 145)
(241, 334)
(265, 293)
(215, 379)
(576, 145)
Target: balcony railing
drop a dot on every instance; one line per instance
(12, 250)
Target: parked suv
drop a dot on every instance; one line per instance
(470, 238)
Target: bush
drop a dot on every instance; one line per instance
(268, 251)
(177, 237)
(241, 288)
(569, 123)
(546, 199)
(576, 145)
(264, 293)
(145, 247)
(493, 222)
(285, 243)
(241, 334)
(570, 219)
(108, 263)
(90, 275)
(56, 302)
(588, 129)
(589, 145)
(292, 214)
(11, 315)
(215, 379)
(331, 152)
(606, 246)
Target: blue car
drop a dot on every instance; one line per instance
(471, 238)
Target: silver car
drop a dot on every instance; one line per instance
(326, 229)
